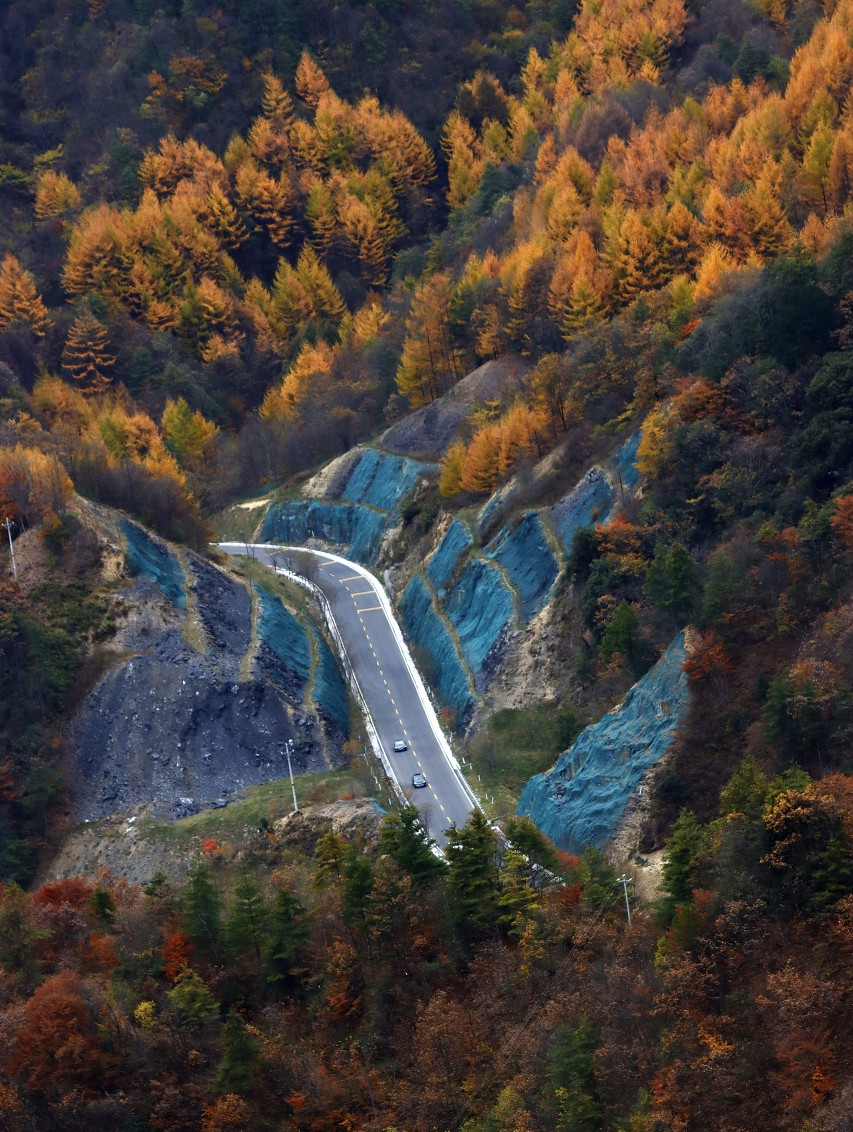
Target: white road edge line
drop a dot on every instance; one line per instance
(396, 632)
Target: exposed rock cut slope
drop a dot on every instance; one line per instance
(194, 711)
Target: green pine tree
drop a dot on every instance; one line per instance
(723, 593)
(191, 1001)
(241, 1059)
(19, 935)
(622, 636)
(597, 879)
(357, 883)
(472, 881)
(389, 911)
(201, 906)
(103, 905)
(745, 792)
(582, 553)
(517, 900)
(247, 923)
(671, 581)
(571, 1095)
(286, 934)
(681, 865)
(328, 859)
(525, 836)
(402, 837)
(831, 875)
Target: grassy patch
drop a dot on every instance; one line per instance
(194, 631)
(241, 819)
(238, 523)
(516, 744)
(248, 661)
(295, 597)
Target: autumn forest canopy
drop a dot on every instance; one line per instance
(299, 263)
(238, 239)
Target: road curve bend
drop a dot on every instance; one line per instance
(387, 680)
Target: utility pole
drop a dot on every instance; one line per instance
(288, 747)
(625, 881)
(8, 524)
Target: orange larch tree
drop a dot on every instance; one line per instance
(311, 82)
(20, 303)
(430, 364)
(87, 356)
(56, 194)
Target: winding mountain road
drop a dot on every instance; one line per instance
(391, 688)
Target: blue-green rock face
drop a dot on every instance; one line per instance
(426, 629)
(148, 559)
(367, 508)
(623, 463)
(581, 801)
(330, 693)
(594, 499)
(479, 603)
(358, 529)
(589, 503)
(444, 561)
(380, 480)
(479, 606)
(289, 664)
(526, 556)
(283, 635)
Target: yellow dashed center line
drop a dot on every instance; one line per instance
(376, 609)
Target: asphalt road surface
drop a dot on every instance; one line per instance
(396, 699)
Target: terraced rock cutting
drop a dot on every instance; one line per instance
(211, 679)
(361, 501)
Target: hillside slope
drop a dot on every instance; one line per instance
(189, 690)
(543, 311)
